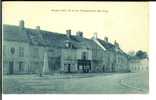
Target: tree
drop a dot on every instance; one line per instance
(141, 54)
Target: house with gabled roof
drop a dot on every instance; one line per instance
(24, 49)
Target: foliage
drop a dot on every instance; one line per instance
(141, 54)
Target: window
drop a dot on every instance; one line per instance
(21, 66)
(21, 51)
(84, 55)
(68, 44)
(12, 50)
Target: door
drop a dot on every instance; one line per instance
(11, 67)
(21, 66)
(68, 68)
(113, 67)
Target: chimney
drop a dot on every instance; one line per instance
(95, 35)
(106, 39)
(68, 33)
(79, 34)
(38, 28)
(21, 24)
(116, 44)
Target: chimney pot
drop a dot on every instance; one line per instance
(68, 33)
(21, 24)
(106, 39)
(79, 34)
(95, 35)
(116, 44)
(38, 28)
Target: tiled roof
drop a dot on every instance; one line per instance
(44, 38)
(13, 33)
(53, 39)
(111, 47)
(107, 45)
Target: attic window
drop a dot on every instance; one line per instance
(68, 44)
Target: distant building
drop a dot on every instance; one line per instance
(24, 49)
(138, 65)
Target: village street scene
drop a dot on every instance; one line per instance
(37, 61)
(75, 47)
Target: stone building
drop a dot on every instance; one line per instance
(24, 48)
(139, 65)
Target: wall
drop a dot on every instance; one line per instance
(101, 61)
(97, 56)
(54, 59)
(71, 56)
(8, 56)
(36, 58)
(139, 65)
(33, 57)
(122, 63)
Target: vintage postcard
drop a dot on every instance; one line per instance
(75, 47)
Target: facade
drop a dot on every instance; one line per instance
(139, 65)
(24, 49)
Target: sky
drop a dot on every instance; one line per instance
(125, 22)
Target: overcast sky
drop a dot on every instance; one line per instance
(126, 22)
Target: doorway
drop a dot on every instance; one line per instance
(69, 68)
(86, 66)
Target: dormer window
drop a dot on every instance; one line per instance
(68, 44)
(79, 34)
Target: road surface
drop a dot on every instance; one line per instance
(76, 83)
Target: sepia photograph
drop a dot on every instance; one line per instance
(75, 47)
